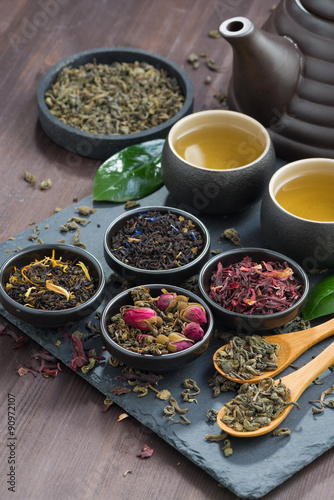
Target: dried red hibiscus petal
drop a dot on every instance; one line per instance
(23, 371)
(250, 288)
(120, 390)
(41, 362)
(146, 452)
(19, 341)
(81, 357)
(141, 378)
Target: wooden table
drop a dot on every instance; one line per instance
(66, 446)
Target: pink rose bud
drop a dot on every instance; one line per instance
(194, 313)
(182, 345)
(178, 342)
(164, 300)
(193, 331)
(139, 317)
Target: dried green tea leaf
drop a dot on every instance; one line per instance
(131, 204)
(45, 184)
(142, 390)
(320, 300)
(34, 235)
(117, 98)
(214, 34)
(30, 178)
(86, 210)
(283, 431)
(76, 241)
(132, 173)
(79, 220)
(164, 394)
(212, 65)
(227, 448)
(232, 235)
(215, 437)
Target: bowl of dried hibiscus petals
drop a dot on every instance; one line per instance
(250, 289)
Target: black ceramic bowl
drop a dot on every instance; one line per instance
(51, 319)
(195, 182)
(309, 242)
(165, 362)
(103, 146)
(247, 322)
(136, 275)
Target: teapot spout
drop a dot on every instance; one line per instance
(266, 70)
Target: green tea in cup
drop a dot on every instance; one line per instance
(218, 146)
(310, 196)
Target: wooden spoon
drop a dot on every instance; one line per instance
(292, 345)
(297, 382)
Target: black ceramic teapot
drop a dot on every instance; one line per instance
(283, 75)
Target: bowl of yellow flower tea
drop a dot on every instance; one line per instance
(297, 213)
(50, 285)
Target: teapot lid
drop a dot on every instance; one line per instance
(322, 8)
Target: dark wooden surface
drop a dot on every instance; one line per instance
(66, 446)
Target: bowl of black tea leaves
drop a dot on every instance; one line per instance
(253, 289)
(156, 244)
(51, 285)
(156, 327)
(97, 102)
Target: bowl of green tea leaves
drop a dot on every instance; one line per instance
(51, 285)
(100, 101)
(253, 289)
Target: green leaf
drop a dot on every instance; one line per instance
(320, 300)
(132, 173)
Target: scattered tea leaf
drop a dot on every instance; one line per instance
(132, 173)
(283, 431)
(120, 390)
(122, 417)
(30, 178)
(146, 452)
(211, 64)
(86, 210)
(164, 394)
(215, 437)
(227, 448)
(106, 404)
(131, 204)
(320, 300)
(45, 184)
(214, 34)
(232, 235)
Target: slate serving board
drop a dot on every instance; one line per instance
(257, 465)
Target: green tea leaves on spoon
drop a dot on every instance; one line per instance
(132, 173)
(320, 301)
